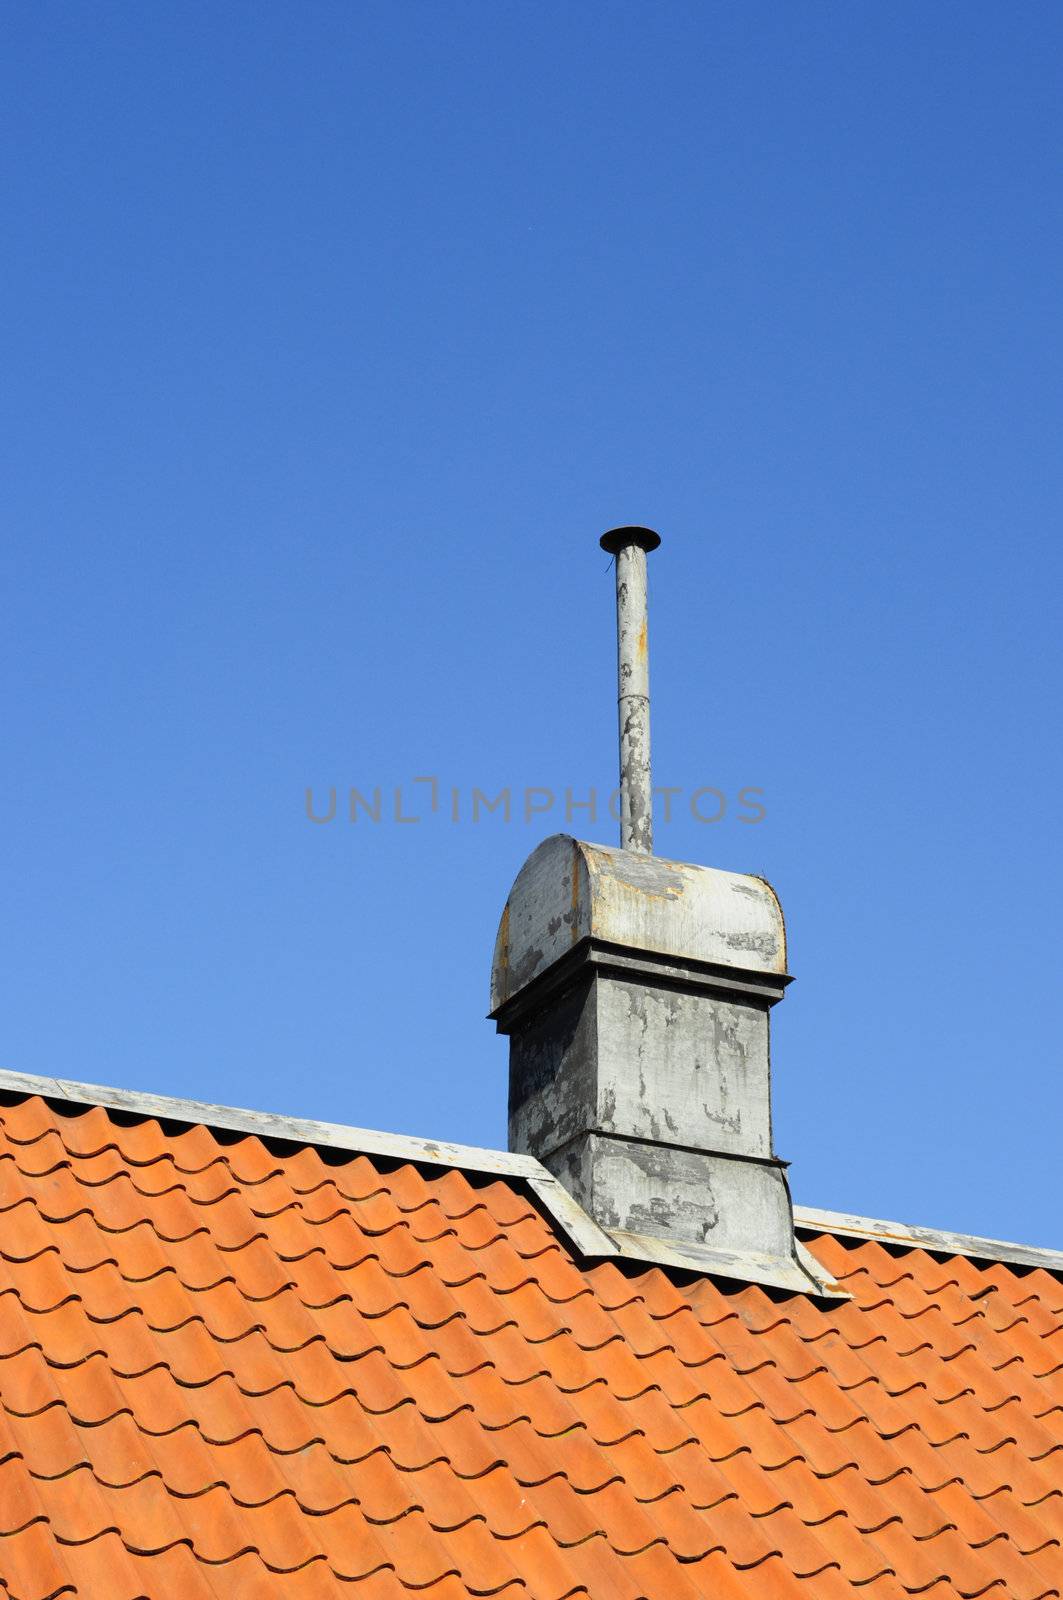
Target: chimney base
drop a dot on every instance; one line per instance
(688, 1198)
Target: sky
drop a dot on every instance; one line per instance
(334, 335)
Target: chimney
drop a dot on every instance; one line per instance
(636, 993)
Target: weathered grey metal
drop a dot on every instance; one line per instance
(636, 995)
(568, 890)
(909, 1236)
(803, 1275)
(629, 546)
(649, 1186)
(268, 1125)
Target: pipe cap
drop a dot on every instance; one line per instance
(617, 538)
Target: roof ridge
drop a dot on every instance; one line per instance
(583, 1231)
(913, 1236)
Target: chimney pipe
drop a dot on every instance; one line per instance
(629, 546)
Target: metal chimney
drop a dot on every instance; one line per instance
(636, 994)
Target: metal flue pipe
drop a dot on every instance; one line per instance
(630, 546)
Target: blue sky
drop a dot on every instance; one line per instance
(334, 335)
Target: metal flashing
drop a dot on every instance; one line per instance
(268, 1125)
(682, 973)
(803, 1275)
(909, 1236)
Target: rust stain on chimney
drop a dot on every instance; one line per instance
(503, 947)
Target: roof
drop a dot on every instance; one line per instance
(255, 1363)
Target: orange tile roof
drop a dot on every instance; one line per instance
(245, 1369)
